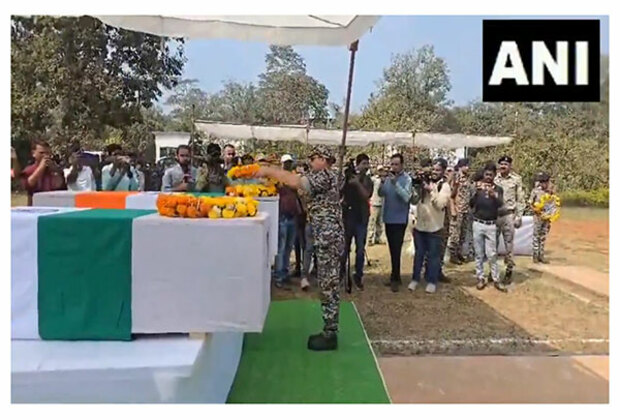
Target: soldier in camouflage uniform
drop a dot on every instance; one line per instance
(459, 224)
(211, 177)
(511, 213)
(320, 188)
(541, 227)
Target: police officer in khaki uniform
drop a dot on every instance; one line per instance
(511, 213)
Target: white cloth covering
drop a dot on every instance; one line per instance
(195, 275)
(24, 270)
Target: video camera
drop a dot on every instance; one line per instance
(421, 176)
(349, 170)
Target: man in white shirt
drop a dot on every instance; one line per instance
(434, 196)
(79, 177)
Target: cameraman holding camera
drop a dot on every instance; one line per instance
(44, 174)
(434, 195)
(211, 176)
(356, 212)
(119, 175)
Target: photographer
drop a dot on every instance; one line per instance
(395, 188)
(79, 176)
(211, 176)
(486, 203)
(434, 196)
(44, 174)
(119, 175)
(180, 177)
(356, 212)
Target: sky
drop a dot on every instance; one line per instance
(457, 39)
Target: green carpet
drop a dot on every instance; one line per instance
(276, 366)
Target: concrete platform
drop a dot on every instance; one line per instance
(497, 379)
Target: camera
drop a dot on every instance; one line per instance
(422, 176)
(349, 170)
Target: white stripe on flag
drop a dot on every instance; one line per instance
(24, 269)
(142, 201)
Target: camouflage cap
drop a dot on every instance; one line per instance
(321, 151)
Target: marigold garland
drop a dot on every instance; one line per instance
(245, 171)
(251, 190)
(181, 205)
(548, 207)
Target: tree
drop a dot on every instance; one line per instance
(287, 94)
(412, 93)
(74, 77)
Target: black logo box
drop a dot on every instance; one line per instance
(524, 32)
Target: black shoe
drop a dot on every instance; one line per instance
(543, 260)
(323, 341)
(500, 286)
(283, 285)
(508, 277)
(358, 283)
(481, 284)
(394, 287)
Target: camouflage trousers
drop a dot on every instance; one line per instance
(328, 278)
(541, 231)
(506, 227)
(375, 227)
(461, 235)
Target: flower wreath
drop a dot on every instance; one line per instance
(548, 207)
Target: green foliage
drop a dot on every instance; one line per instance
(591, 198)
(288, 95)
(412, 93)
(74, 78)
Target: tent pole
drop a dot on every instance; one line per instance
(353, 49)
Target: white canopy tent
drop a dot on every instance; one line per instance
(280, 30)
(354, 138)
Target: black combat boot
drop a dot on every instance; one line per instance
(323, 341)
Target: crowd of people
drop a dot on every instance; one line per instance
(452, 211)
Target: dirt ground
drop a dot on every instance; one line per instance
(539, 315)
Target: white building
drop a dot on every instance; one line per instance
(166, 143)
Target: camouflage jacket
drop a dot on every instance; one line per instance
(321, 194)
(514, 199)
(211, 179)
(464, 188)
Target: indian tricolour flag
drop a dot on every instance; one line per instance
(52, 255)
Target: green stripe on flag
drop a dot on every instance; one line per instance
(85, 274)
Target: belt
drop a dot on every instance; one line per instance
(484, 222)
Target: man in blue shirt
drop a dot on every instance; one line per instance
(395, 188)
(119, 175)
